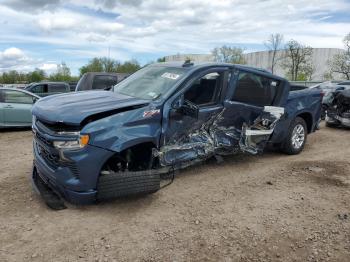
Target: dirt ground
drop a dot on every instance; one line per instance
(249, 208)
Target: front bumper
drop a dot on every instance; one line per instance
(336, 119)
(75, 182)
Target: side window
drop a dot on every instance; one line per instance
(255, 90)
(2, 96)
(104, 82)
(57, 88)
(205, 90)
(17, 97)
(38, 89)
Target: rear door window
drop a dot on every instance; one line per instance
(57, 88)
(255, 89)
(39, 89)
(2, 96)
(17, 97)
(104, 82)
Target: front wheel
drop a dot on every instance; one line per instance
(296, 137)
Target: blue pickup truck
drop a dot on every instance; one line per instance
(99, 145)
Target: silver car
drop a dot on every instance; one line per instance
(15, 107)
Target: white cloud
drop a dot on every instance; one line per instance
(13, 53)
(48, 67)
(82, 28)
(12, 58)
(56, 23)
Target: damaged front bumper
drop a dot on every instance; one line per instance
(334, 118)
(73, 179)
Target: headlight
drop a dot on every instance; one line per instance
(81, 142)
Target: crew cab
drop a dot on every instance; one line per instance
(98, 145)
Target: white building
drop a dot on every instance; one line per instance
(263, 59)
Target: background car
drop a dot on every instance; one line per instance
(15, 107)
(99, 81)
(327, 88)
(345, 83)
(48, 88)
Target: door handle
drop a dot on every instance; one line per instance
(8, 106)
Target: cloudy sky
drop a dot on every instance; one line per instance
(39, 33)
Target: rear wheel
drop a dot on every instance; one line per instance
(296, 138)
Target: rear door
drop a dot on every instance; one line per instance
(57, 89)
(253, 106)
(2, 105)
(17, 108)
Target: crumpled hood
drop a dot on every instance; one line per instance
(73, 108)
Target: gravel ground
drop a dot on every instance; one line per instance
(249, 208)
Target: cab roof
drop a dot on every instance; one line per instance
(193, 66)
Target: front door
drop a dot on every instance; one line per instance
(186, 131)
(2, 105)
(17, 108)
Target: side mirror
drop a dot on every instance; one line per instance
(186, 107)
(34, 99)
(190, 109)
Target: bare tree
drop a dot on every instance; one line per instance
(340, 63)
(273, 44)
(298, 61)
(227, 54)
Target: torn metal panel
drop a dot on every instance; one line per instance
(254, 138)
(338, 111)
(212, 138)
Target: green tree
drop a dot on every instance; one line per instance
(103, 64)
(100, 64)
(227, 54)
(128, 66)
(298, 61)
(36, 76)
(94, 65)
(161, 60)
(10, 77)
(340, 63)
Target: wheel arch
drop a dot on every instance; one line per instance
(307, 117)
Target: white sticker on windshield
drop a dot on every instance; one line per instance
(170, 76)
(152, 94)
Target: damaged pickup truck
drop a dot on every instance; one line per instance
(338, 108)
(93, 146)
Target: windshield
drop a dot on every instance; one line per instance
(150, 82)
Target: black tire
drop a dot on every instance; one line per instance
(117, 185)
(288, 146)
